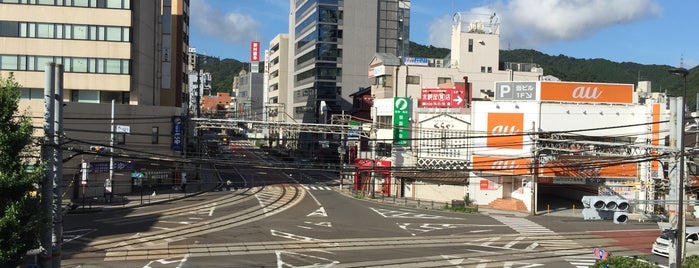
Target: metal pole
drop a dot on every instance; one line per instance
(47, 183)
(109, 184)
(373, 154)
(57, 238)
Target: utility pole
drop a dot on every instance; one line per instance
(51, 200)
(373, 153)
(535, 168)
(48, 151)
(57, 237)
(109, 183)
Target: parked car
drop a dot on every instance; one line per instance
(661, 246)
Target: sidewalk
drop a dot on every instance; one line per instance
(207, 182)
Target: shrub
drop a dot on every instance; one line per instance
(624, 262)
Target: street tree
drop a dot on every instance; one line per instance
(20, 220)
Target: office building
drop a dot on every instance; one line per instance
(330, 45)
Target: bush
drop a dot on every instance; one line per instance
(691, 261)
(624, 262)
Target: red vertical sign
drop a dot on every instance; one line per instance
(254, 51)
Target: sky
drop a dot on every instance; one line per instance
(642, 31)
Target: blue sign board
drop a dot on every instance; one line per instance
(415, 61)
(177, 133)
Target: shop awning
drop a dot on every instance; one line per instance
(452, 177)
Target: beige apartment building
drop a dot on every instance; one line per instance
(129, 52)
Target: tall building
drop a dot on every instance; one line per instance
(278, 72)
(129, 51)
(331, 43)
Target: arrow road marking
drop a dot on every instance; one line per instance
(318, 213)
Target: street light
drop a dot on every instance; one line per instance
(679, 236)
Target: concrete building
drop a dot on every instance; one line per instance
(278, 73)
(109, 49)
(129, 52)
(330, 44)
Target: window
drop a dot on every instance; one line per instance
(413, 80)
(155, 132)
(383, 149)
(384, 80)
(482, 69)
(470, 45)
(120, 138)
(384, 121)
(443, 80)
(32, 93)
(8, 62)
(490, 69)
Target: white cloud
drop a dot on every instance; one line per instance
(532, 23)
(232, 28)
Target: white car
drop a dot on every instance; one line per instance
(661, 246)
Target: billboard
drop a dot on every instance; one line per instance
(502, 165)
(254, 51)
(515, 90)
(505, 130)
(177, 133)
(415, 61)
(442, 98)
(586, 92)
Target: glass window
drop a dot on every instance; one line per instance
(80, 3)
(155, 131)
(413, 80)
(125, 67)
(68, 31)
(32, 93)
(90, 96)
(80, 66)
(99, 64)
(113, 66)
(114, 3)
(113, 33)
(23, 29)
(92, 32)
(9, 28)
(45, 30)
(42, 61)
(120, 138)
(126, 35)
(8, 62)
(80, 32)
(470, 45)
(443, 80)
(101, 32)
(59, 31)
(32, 30)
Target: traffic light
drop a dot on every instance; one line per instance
(608, 207)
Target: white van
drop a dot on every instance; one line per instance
(661, 246)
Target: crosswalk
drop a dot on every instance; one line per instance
(316, 187)
(578, 257)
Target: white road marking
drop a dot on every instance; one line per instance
(165, 261)
(387, 213)
(322, 223)
(318, 213)
(309, 261)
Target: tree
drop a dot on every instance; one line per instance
(20, 220)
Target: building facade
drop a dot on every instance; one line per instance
(330, 44)
(131, 52)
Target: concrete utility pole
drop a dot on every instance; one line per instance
(676, 174)
(48, 155)
(111, 156)
(57, 237)
(51, 201)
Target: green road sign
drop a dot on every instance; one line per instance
(401, 117)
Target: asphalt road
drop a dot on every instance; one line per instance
(273, 219)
